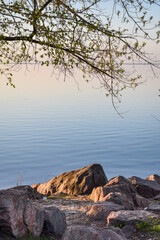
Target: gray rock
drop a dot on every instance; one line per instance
(54, 221)
(27, 191)
(101, 211)
(145, 188)
(78, 182)
(121, 180)
(117, 230)
(13, 212)
(121, 199)
(129, 230)
(123, 217)
(108, 234)
(141, 201)
(89, 233)
(157, 197)
(34, 219)
(5, 237)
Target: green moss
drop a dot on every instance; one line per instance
(56, 196)
(155, 228)
(59, 196)
(121, 225)
(152, 225)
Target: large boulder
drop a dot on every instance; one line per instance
(90, 233)
(126, 217)
(54, 221)
(78, 182)
(118, 190)
(17, 214)
(146, 188)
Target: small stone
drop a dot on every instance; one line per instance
(129, 230)
(101, 211)
(157, 197)
(154, 208)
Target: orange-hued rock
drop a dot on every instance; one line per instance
(77, 182)
(154, 177)
(118, 190)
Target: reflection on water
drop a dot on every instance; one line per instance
(49, 127)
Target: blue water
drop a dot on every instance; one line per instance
(49, 127)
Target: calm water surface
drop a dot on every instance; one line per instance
(49, 127)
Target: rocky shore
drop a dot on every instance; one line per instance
(82, 205)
